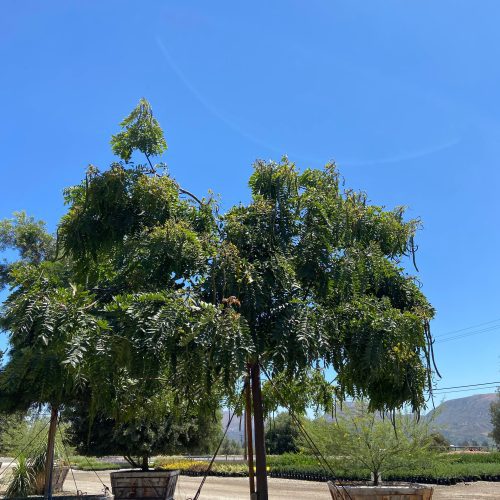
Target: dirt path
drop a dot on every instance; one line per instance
(217, 488)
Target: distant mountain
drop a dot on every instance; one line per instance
(465, 419)
(459, 420)
(235, 431)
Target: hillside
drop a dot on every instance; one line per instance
(465, 419)
(236, 429)
(459, 420)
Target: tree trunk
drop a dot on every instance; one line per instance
(145, 463)
(131, 461)
(260, 445)
(49, 463)
(249, 436)
(245, 456)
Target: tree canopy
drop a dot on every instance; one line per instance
(306, 273)
(281, 435)
(46, 316)
(168, 429)
(318, 277)
(149, 286)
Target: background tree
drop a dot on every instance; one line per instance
(281, 435)
(359, 437)
(27, 238)
(10, 425)
(439, 442)
(149, 433)
(495, 419)
(231, 447)
(48, 320)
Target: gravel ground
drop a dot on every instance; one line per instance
(217, 488)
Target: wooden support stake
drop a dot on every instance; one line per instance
(49, 463)
(259, 432)
(249, 436)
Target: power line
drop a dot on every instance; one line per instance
(468, 334)
(460, 390)
(467, 328)
(462, 386)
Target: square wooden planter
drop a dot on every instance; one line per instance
(386, 492)
(133, 484)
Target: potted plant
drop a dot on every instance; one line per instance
(306, 274)
(74, 316)
(50, 326)
(145, 256)
(30, 446)
(358, 437)
(163, 426)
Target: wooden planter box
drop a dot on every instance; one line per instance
(137, 484)
(72, 497)
(386, 492)
(59, 474)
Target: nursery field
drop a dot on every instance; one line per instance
(445, 468)
(467, 469)
(225, 488)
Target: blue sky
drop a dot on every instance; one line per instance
(403, 95)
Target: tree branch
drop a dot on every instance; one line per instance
(184, 191)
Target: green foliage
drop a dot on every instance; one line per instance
(495, 419)
(362, 438)
(281, 435)
(9, 426)
(230, 447)
(147, 433)
(131, 231)
(153, 293)
(29, 436)
(94, 464)
(22, 483)
(51, 330)
(28, 238)
(316, 271)
(27, 440)
(141, 131)
(26, 235)
(439, 442)
(434, 467)
(473, 458)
